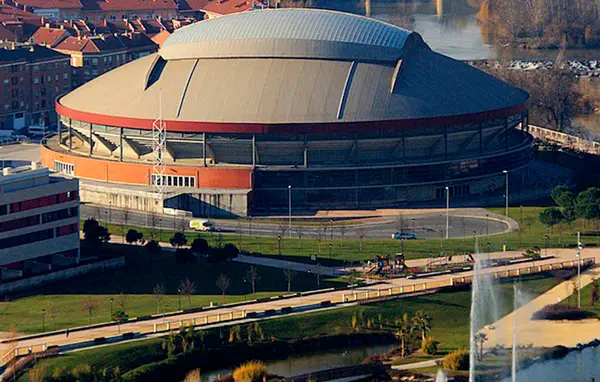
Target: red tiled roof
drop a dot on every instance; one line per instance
(49, 36)
(61, 4)
(226, 7)
(91, 45)
(8, 12)
(192, 5)
(127, 5)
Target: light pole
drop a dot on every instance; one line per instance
(330, 251)
(547, 242)
(279, 245)
(505, 172)
(178, 298)
(289, 211)
(43, 320)
(487, 221)
(447, 211)
(111, 307)
(579, 248)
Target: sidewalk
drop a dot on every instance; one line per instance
(545, 333)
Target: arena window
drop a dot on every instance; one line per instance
(174, 180)
(64, 168)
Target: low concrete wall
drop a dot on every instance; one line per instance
(63, 274)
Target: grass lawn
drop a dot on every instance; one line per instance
(532, 233)
(449, 312)
(133, 286)
(586, 300)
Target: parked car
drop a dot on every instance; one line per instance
(404, 236)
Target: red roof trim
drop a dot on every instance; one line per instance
(262, 128)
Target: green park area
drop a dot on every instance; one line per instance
(448, 320)
(133, 288)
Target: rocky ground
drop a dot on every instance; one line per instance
(582, 68)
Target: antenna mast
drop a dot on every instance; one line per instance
(159, 139)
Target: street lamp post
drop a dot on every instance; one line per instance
(279, 245)
(289, 211)
(330, 256)
(487, 221)
(547, 243)
(579, 248)
(331, 230)
(245, 290)
(447, 211)
(111, 306)
(43, 320)
(178, 298)
(505, 172)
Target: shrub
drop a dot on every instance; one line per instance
(184, 256)
(152, 247)
(429, 346)
(253, 371)
(457, 360)
(560, 312)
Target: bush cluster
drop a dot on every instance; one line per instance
(457, 360)
(252, 371)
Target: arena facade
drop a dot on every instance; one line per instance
(349, 111)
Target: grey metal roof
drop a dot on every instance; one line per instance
(288, 33)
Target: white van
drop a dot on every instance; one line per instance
(201, 225)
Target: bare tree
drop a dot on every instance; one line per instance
(159, 294)
(187, 288)
(253, 277)
(223, 283)
(399, 223)
(320, 236)
(343, 230)
(153, 222)
(289, 276)
(300, 232)
(52, 311)
(89, 304)
(125, 226)
(362, 232)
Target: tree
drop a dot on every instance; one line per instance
(134, 236)
(187, 288)
(480, 339)
(223, 283)
(153, 219)
(200, 246)
(343, 230)
(362, 232)
(178, 240)
(52, 311)
(94, 233)
(254, 277)
(594, 293)
(89, 304)
(152, 247)
(300, 232)
(289, 276)
(230, 251)
(404, 331)
(422, 322)
(189, 338)
(120, 317)
(563, 196)
(159, 293)
(551, 217)
(587, 204)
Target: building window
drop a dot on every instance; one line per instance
(174, 180)
(14, 81)
(455, 191)
(28, 238)
(64, 168)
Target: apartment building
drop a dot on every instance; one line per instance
(39, 221)
(31, 77)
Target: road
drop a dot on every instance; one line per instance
(300, 302)
(462, 223)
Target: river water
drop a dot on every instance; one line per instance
(451, 27)
(310, 363)
(575, 367)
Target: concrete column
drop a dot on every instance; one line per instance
(70, 134)
(231, 315)
(243, 313)
(218, 317)
(154, 330)
(390, 290)
(168, 326)
(91, 140)
(401, 289)
(343, 298)
(414, 288)
(121, 144)
(204, 148)
(378, 292)
(253, 151)
(452, 281)
(205, 320)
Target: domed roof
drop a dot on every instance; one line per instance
(288, 33)
(288, 70)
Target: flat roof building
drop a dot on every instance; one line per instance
(39, 221)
